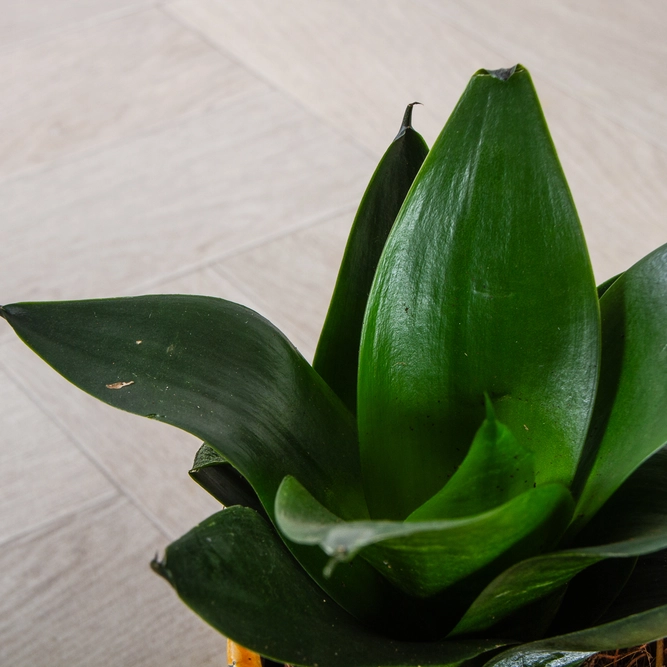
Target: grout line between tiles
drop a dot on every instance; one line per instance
(90, 456)
(99, 501)
(263, 77)
(83, 153)
(76, 26)
(245, 247)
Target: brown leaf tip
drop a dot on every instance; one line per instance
(502, 74)
(160, 567)
(406, 124)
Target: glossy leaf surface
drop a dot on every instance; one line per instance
(485, 285)
(632, 523)
(234, 571)
(337, 354)
(495, 470)
(225, 374)
(630, 417)
(537, 658)
(423, 558)
(640, 628)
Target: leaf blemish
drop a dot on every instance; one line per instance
(119, 385)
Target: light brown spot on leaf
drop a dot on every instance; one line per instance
(119, 385)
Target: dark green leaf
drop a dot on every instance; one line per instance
(496, 469)
(337, 355)
(532, 580)
(236, 574)
(590, 594)
(530, 622)
(640, 628)
(630, 417)
(646, 588)
(219, 477)
(225, 374)
(637, 512)
(520, 585)
(514, 313)
(632, 523)
(423, 558)
(206, 457)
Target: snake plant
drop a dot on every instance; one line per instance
(474, 467)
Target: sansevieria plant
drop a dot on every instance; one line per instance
(473, 468)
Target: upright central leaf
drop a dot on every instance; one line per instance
(514, 313)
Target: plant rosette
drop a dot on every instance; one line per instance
(473, 468)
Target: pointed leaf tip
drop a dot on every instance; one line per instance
(3, 312)
(502, 74)
(160, 567)
(406, 123)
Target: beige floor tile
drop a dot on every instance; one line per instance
(105, 82)
(43, 476)
(608, 55)
(617, 175)
(292, 278)
(173, 200)
(355, 64)
(81, 593)
(206, 281)
(33, 19)
(148, 460)
(240, 287)
(615, 179)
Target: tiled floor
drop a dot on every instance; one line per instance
(204, 146)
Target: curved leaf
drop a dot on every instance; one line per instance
(630, 417)
(632, 523)
(646, 588)
(637, 512)
(219, 478)
(424, 558)
(641, 628)
(225, 374)
(540, 659)
(495, 470)
(337, 354)
(520, 585)
(532, 621)
(236, 574)
(514, 314)
(590, 594)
